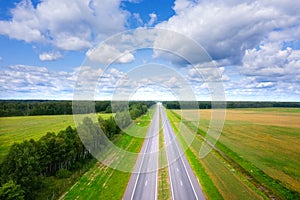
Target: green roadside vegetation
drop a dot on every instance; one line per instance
(105, 182)
(164, 190)
(238, 137)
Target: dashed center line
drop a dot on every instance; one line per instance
(181, 183)
(146, 183)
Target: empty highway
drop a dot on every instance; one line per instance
(184, 184)
(143, 185)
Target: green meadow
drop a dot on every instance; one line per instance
(18, 129)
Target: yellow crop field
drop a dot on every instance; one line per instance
(267, 137)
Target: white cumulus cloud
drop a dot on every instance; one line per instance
(153, 18)
(107, 54)
(68, 25)
(227, 28)
(49, 56)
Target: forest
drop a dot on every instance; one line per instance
(229, 104)
(51, 107)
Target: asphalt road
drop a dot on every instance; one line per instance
(143, 185)
(184, 184)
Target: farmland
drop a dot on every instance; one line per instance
(18, 129)
(218, 179)
(269, 138)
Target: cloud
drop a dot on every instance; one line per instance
(260, 40)
(20, 81)
(49, 56)
(227, 29)
(271, 60)
(182, 5)
(273, 65)
(68, 25)
(71, 43)
(247, 88)
(138, 18)
(153, 18)
(134, 1)
(35, 82)
(207, 72)
(108, 54)
(24, 24)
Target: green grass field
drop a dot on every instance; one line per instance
(107, 183)
(18, 129)
(266, 139)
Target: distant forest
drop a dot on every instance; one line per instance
(229, 104)
(51, 107)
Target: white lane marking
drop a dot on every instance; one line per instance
(181, 183)
(146, 183)
(177, 169)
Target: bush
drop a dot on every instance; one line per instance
(63, 173)
(11, 191)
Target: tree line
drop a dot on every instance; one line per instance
(47, 107)
(43, 107)
(50, 107)
(229, 104)
(136, 109)
(28, 163)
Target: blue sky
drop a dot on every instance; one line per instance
(254, 45)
